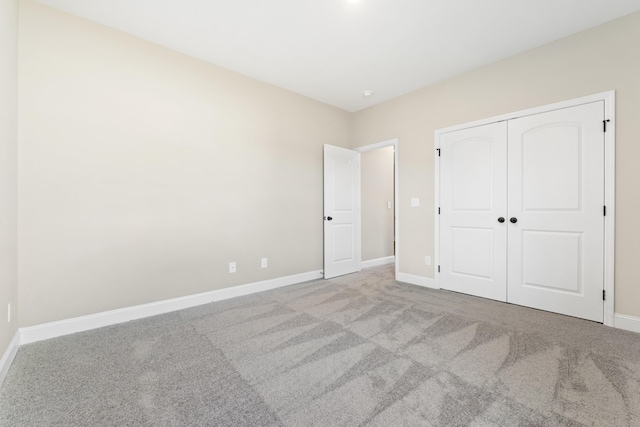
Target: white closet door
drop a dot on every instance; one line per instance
(556, 194)
(473, 191)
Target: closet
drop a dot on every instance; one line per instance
(522, 210)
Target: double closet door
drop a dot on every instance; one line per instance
(521, 211)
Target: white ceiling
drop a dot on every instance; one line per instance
(333, 50)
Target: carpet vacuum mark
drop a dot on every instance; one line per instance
(357, 350)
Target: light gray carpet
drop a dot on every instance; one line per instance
(356, 350)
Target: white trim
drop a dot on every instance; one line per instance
(377, 145)
(396, 204)
(425, 282)
(609, 98)
(9, 355)
(396, 191)
(610, 203)
(106, 318)
(628, 323)
(602, 96)
(436, 213)
(378, 261)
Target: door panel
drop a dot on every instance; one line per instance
(540, 270)
(343, 235)
(556, 193)
(556, 185)
(341, 211)
(473, 196)
(471, 161)
(472, 250)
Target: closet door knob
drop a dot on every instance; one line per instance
(513, 220)
(500, 220)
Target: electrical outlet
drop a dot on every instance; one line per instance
(9, 313)
(232, 267)
(427, 260)
(264, 263)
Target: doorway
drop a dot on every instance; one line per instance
(343, 213)
(380, 224)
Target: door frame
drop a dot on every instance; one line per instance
(396, 209)
(609, 178)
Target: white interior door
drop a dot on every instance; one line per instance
(556, 195)
(342, 251)
(473, 180)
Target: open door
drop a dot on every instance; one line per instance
(342, 251)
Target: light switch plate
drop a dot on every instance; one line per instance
(415, 202)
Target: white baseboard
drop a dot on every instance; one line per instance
(378, 261)
(9, 354)
(628, 323)
(106, 318)
(416, 280)
(83, 323)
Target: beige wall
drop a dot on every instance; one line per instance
(597, 60)
(144, 172)
(377, 190)
(8, 173)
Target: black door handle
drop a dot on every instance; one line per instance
(500, 220)
(328, 218)
(513, 220)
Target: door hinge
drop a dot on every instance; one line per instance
(438, 269)
(604, 210)
(604, 125)
(438, 211)
(604, 295)
(438, 150)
